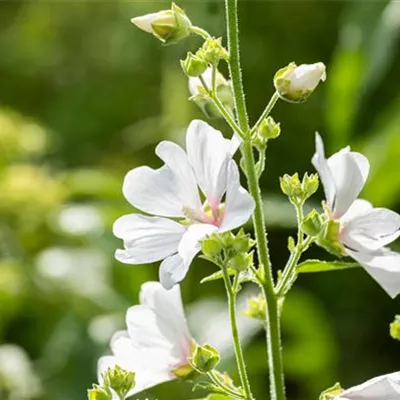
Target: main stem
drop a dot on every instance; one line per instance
(231, 293)
(277, 386)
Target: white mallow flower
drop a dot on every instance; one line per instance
(364, 231)
(386, 387)
(172, 192)
(157, 343)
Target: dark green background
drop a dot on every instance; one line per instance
(84, 97)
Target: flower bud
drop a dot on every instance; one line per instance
(312, 224)
(193, 65)
(242, 242)
(241, 261)
(269, 129)
(291, 185)
(310, 185)
(202, 99)
(212, 246)
(256, 307)
(296, 83)
(99, 393)
(204, 359)
(169, 26)
(212, 51)
(119, 380)
(395, 328)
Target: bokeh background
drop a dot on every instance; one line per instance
(84, 97)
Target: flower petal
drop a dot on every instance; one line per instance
(383, 265)
(144, 22)
(172, 271)
(209, 152)
(371, 230)
(166, 191)
(359, 207)
(350, 172)
(386, 387)
(239, 205)
(190, 243)
(321, 165)
(147, 239)
(167, 305)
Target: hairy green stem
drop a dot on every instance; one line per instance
(265, 113)
(201, 32)
(231, 293)
(234, 63)
(277, 386)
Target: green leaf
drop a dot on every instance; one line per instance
(217, 275)
(324, 266)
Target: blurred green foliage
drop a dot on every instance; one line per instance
(84, 97)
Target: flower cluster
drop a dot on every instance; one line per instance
(193, 202)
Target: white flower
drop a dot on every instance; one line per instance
(364, 231)
(385, 387)
(172, 191)
(157, 343)
(196, 87)
(296, 83)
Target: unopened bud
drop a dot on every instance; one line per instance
(312, 224)
(296, 83)
(205, 358)
(212, 246)
(99, 393)
(242, 242)
(201, 97)
(241, 261)
(310, 185)
(291, 185)
(212, 51)
(119, 380)
(169, 26)
(193, 65)
(395, 328)
(256, 307)
(269, 129)
(329, 238)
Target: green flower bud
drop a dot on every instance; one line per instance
(99, 393)
(212, 246)
(242, 242)
(169, 26)
(291, 244)
(331, 393)
(119, 380)
(193, 65)
(310, 185)
(204, 358)
(241, 261)
(269, 129)
(296, 83)
(395, 328)
(291, 185)
(212, 51)
(312, 224)
(256, 308)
